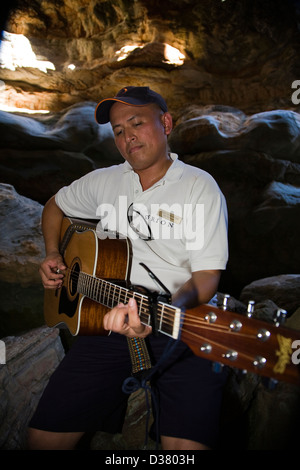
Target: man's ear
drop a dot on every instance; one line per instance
(167, 122)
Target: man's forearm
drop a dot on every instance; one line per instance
(51, 226)
(198, 290)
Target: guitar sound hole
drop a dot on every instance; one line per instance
(73, 282)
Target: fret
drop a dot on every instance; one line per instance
(112, 304)
(97, 285)
(126, 296)
(84, 284)
(140, 307)
(101, 293)
(118, 301)
(88, 286)
(104, 293)
(98, 293)
(108, 295)
(125, 301)
(93, 288)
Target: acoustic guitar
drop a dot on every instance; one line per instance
(97, 278)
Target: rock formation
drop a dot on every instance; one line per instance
(241, 54)
(30, 361)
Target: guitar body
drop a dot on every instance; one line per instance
(85, 252)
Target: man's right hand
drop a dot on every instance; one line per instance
(52, 271)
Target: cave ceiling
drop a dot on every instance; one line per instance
(239, 53)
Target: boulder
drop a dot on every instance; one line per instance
(30, 360)
(42, 155)
(284, 290)
(21, 251)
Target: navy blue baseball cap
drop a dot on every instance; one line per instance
(131, 95)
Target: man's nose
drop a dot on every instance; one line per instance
(129, 136)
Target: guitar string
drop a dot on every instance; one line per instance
(168, 311)
(168, 320)
(215, 343)
(125, 293)
(166, 317)
(189, 319)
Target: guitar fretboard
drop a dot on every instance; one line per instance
(169, 318)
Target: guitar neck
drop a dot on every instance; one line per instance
(169, 318)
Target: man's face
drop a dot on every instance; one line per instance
(140, 133)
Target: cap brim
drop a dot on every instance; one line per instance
(103, 108)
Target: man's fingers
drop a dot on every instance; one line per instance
(52, 272)
(134, 320)
(124, 319)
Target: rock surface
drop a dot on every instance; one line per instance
(30, 360)
(284, 290)
(238, 54)
(21, 251)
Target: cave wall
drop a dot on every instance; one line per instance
(236, 53)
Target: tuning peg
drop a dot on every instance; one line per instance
(263, 334)
(225, 301)
(259, 362)
(231, 355)
(206, 348)
(211, 317)
(235, 325)
(279, 317)
(250, 308)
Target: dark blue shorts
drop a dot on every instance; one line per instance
(85, 392)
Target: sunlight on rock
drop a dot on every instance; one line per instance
(16, 52)
(173, 55)
(126, 50)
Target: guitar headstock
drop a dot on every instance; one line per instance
(244, 342)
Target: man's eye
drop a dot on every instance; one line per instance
(137, 124)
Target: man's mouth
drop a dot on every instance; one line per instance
(134, 148)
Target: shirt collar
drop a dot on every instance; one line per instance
(174, 171)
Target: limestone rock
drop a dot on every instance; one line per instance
(284, 290)
(45, 154)
(21, 251)
(211, 128)
(30, 360)
(21, 246)
(241, 55)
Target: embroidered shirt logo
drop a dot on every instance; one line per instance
(170, 216)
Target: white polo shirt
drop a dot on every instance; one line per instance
(184, 214)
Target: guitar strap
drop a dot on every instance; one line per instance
(139, 354)
(140, 359)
